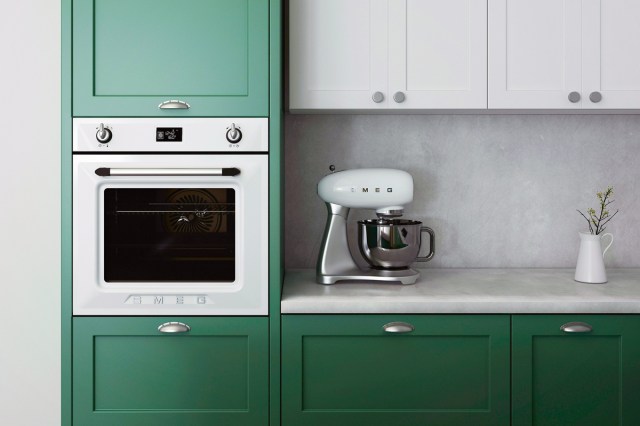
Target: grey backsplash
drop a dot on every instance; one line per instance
(499, 190)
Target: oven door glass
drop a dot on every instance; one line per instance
(169, 235)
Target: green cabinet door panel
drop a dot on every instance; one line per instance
(131, 55)
(580, 379)
(126, 373)
(344, 370)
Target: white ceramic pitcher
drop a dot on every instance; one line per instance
(590, 267)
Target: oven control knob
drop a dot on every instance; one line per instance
(234, 135)
(103, 134)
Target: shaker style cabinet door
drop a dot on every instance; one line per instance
(535, 54)
(338, 54)
(387, 54)
(564, 54)
(127, 373)
(345, 370)
(129, 56)
(588, 375)
(438, 54)
(611, 54)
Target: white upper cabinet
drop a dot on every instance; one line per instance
(387, 54)
(611, 54)
(438, 53)
(564, 54)
(534, 53)
(337, 54)
(434, 54)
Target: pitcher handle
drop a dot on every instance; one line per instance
(432, 244)
(611, 242)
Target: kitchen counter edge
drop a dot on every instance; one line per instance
(467, 291)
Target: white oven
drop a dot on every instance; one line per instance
(181, 232)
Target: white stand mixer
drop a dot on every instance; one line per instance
(389, 245)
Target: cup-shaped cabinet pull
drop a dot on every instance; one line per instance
(576, 327)
(398, 327)
(174, 104)
(173, 327)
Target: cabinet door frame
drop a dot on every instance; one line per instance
(500, 96)
(86, 330)
(295, 328)
(525, 328)
(87, 104)
(474, 97)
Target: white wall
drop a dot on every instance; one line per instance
(30, 212)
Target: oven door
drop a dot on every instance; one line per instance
(170, 234)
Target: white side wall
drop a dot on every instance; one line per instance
(30, 212)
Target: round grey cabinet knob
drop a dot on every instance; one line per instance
(377, 97)
(574, 97)
(399, 97)
(595, 97)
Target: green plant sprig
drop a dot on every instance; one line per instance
(597, 223)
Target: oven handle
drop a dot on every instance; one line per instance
(106, 171)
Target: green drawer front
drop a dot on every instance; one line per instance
(128, 373)
(345, 370)
(581, 379)
(131, 55)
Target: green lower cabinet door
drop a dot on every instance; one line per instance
(125, 372)
(587, 377)
(346, 370)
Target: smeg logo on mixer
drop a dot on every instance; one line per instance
(366, 189)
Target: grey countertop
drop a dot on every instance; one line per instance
(467, 291)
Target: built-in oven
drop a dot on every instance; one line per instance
(170, 227)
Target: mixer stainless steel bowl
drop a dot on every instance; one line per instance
(393, 243)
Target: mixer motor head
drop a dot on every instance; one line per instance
(384, 190)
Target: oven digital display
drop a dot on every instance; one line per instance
(169, 134)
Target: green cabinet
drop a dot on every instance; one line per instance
(345, 370)
(131, 55)
(576, 379)
(125, 372)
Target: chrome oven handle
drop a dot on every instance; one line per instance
(106, 171)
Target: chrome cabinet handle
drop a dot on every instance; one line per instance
(574, 97)
(106, 171)
(399, 97)
(398, 327)
(432, 244)
(173, 327)
(595, 97)
(174, 104)
(576, 327)
(378, 97)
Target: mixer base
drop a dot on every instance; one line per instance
(403, 276)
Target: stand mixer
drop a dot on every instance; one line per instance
(387, 243)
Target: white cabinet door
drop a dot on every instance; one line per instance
(438, 53)
(337, 54)
(611, 55)
(535, 54)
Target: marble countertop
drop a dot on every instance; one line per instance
(467, 291)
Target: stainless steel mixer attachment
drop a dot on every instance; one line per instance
(393, 244)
